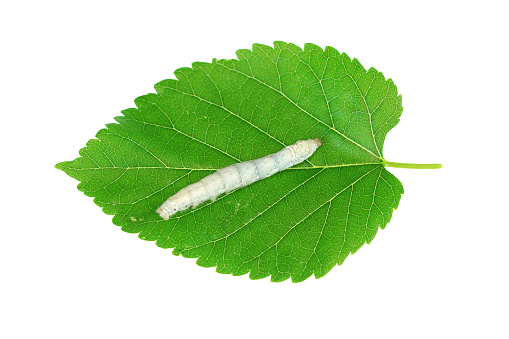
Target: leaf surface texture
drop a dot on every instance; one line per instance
(299, 222)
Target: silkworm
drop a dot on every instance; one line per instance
(237, 175)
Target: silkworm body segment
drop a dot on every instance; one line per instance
(237, 175)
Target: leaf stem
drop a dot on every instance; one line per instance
(407, 165)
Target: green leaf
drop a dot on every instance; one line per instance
(298, 222)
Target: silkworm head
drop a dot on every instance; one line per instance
(167, 209)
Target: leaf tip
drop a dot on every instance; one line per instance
(62, 166)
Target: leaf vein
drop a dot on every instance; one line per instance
(303, 110)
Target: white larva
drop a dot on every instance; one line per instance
(237, 175)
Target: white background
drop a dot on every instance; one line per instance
(439, 270)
